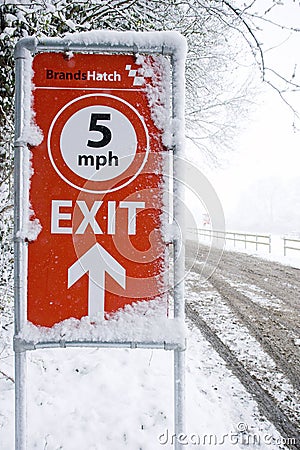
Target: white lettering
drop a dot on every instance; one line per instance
(117, 76)
(182, 439)
(111, 217)
(163, 438)
(103, 76)
(89, 217)
(132, 207)
(91, 75)
(57, 216)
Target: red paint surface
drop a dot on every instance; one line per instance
(50, 255)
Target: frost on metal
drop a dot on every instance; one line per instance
(31, 133)
(141, 321)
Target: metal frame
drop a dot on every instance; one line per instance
(160, 43)
(23, 345)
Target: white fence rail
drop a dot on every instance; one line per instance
(245, 238)
(290, 244)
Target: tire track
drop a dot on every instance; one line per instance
(276, 330)
(267, 406)
(281, 281)
(275, 336)
(263, 296)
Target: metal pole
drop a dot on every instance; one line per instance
(179, 396)
(179, 250)
(179, 355)
(20, 260)
(20, 400)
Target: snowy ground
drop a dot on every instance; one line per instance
(83, 399)
(115, 399)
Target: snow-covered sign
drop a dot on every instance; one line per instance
(98, 182)
(98, 116)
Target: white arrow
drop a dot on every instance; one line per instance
(96, 261)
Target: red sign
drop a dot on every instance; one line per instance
(96, 189)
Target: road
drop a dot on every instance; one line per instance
(248, 309)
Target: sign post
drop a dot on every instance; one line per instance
(91, 188)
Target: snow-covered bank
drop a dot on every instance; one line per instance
(100, 399)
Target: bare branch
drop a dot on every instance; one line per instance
(239, 15)
(7, 376)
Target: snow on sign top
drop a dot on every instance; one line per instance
(98, 177)
(145, 41)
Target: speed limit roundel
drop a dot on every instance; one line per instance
(98, 143)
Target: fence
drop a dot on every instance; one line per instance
(246, 238)
(290, 244)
